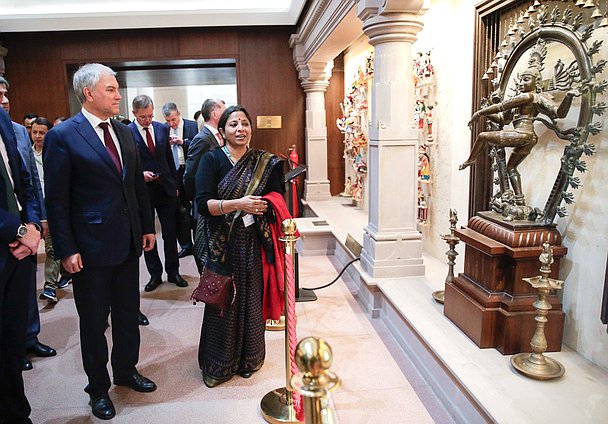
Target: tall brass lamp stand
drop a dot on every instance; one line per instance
(536, 365)
(452, 240)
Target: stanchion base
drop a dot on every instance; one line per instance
(306, 296)
(275, 325)
(552, 369)
(275, 409)
(439, 296)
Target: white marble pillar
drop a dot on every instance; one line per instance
(315, 80)
(392, 245)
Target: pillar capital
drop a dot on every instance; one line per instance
(314, 76)
(390, 20)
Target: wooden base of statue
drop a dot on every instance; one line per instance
(490, 302)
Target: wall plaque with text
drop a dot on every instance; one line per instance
(267, 122)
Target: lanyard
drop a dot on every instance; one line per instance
(225, 149)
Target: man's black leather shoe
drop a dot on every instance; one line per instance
(143, 320)
(153, 284)
(41, 350)
(102, 407)
(137, 382)
(27, 365)
(178, 280)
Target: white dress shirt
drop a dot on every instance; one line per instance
(179, 133)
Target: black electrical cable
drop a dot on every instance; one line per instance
(334, 280)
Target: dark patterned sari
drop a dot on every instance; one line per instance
(233, 342)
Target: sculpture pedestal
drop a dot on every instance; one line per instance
(490, 302)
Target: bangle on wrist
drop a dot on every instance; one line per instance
(219, 206)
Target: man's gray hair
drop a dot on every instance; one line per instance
(208, 106)
(4, 82)
(141, 102)
(169, 107)
(88, 75)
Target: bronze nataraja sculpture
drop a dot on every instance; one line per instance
(531, 103)
(520, 110)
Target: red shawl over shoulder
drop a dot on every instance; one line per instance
(273, 302)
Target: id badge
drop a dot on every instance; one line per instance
(248, 220)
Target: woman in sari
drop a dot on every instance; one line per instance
(232, 228)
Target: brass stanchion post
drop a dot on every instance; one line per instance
(277, 405)
(314, 357)
(452, 240)
(536, 365)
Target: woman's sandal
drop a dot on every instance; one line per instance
(213, 382)
(247, 374)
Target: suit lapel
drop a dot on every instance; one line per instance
(124, 149)
(89, 135)
(212, 138)
(10, 143)
(158, 137)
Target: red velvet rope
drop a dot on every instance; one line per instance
(291, 327)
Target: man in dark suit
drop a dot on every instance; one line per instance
(207, 139)
(152, 139)
(98, 212)
(19, 239)
(24, 146)
(181, 131)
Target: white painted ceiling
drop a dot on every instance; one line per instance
(67, 15)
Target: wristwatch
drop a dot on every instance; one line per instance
(21, 231)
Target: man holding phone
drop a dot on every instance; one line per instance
(160, 174)
(181, 131)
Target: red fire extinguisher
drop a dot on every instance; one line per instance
(294, 162)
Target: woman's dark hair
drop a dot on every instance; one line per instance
(43, 121)
(229, 111)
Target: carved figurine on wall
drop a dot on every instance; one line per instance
(424, 164)
(423, 211)
(429, 125)
(348, 190)
(520, 110)
(419, 114)
(427, 69)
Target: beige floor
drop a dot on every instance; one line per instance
(379, 383)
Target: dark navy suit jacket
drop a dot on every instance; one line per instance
(162, 161)
(190, 131)
(91, 208)
(24, 145)
(201, 144)
(23, 189)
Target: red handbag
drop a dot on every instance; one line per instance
(215, 290)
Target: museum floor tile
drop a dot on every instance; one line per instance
(380, 384)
